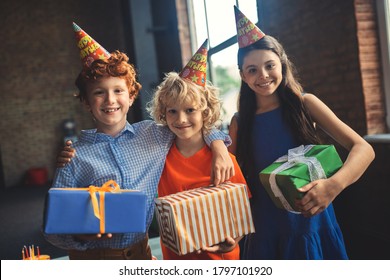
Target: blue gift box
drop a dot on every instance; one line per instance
(71, 211)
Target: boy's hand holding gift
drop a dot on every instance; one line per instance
(228, 245)
(93, 237)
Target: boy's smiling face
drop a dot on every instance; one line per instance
(108, 100)
(185, 120)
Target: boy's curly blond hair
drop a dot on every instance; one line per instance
(175, 90)
(116, 66)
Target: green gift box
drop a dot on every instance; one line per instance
(299, 167)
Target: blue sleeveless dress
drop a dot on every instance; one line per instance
(279, 233)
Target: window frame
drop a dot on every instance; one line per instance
(216, 49)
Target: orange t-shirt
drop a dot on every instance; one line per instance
(180, 174)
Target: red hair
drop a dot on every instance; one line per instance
(115, 66)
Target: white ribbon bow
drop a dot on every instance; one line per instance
(295, 156)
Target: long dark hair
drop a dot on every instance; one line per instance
(290, 96)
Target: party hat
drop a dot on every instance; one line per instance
(196, 68)
(247, 32)
(90, 50)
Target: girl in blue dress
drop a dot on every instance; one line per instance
(274, 116)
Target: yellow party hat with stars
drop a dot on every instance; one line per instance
(90, 50)
(247, 32)
(196, 69)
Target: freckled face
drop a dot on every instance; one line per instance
(109, 101)
(262, 71)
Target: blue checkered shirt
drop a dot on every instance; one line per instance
(134, 158)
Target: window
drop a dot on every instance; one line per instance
(215, 20)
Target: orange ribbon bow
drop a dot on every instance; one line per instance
(99, 212)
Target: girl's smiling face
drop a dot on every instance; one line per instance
(262, 71)
(109, 101)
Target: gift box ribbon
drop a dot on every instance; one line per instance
(295, 156)
(99, 207)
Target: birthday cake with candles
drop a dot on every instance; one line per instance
(33, 253)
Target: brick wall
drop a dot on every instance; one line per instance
(334, 45)
(369, 57)
(39, 63)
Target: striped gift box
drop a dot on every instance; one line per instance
(205, 216)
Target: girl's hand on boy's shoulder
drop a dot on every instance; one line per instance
(66, 154)
(319, 194)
